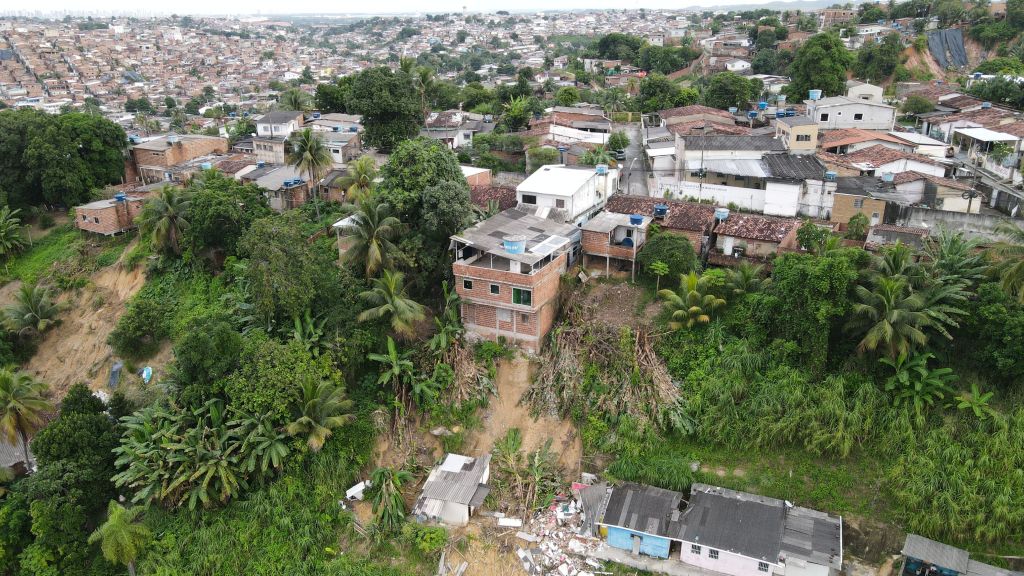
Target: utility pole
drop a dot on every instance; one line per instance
(703, 145)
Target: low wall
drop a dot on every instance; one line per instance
(973, 225)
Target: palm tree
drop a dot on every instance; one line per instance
(1009, 255)
(359, 180)
(122, 537)
(33, 311)
(598, 155)
(373, 230)
(322, 409)
(12, 239)
(891, 317)
(309, 155)
(406, 64)
(294, 99)
(386, 497)
(746, 279)
(23, 408)
(396, 368)
(165, 217)
(389, 298)
(952, 255)
(423, 80)
(694, 303)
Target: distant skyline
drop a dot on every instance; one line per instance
(277, 7)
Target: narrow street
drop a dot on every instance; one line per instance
(633, 178)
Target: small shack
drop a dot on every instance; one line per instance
(109, 217)
(454, 490)
(926, 557)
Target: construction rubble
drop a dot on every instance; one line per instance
(560, 541)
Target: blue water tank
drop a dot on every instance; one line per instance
(206, 166)
(831, 176)
(814, 94)
(353, 128)
(261, 164)
(752, 114)
(316, 115)
(986, 105)
(733, 109)
(660, 210)
(601, 169)
(780, 113)
(977, 75)
(514, 244)
(762, 105)
(627, 242)
(120, 197)
(635, 220)
(888, 177)
(721, 213)
(790, 113)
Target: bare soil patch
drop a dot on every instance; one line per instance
(615, 304)
(506, 412)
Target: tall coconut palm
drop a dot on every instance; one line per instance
(890, 317)
(595, 156)
(1009, 256)
(294, 99)
(122, 537)
(359, 180)
(386, 496)
(33, 311)
(694, 304)
(323, 408)
(310, 155)
(165, 218)
(373, 230)
(390, 298)
(12, 237)
(23, 407)
(952, 255)
(423, 80)
(746, 279)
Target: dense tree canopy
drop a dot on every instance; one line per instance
(389, 104)
(820, 64)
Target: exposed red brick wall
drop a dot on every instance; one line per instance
(108, 219)
(596, 244)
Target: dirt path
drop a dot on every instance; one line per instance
(76, 350)
(505, 413)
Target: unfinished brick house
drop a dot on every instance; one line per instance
(109, 217)
(689, 219)
(507, 271)
(152, 159)
(611, 242)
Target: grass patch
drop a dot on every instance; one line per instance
(61, 243)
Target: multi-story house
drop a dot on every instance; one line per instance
(272, 130)
(152, 159)
(507, 271)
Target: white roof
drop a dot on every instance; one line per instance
(919, 139)
(468, 171)
(655, 152)
(986, 135)
(843, 101)
(455, 462)
(556, 180)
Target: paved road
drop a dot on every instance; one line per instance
(633, 179)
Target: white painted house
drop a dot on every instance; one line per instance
(454, 490)
(578, 191)
(857, 90)
(278, 124)
(844, 112)
(737, 65)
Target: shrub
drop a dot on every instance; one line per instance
(672, 249)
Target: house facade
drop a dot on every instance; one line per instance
(272, 130)
(614, 238)
(152, 159)
(843, 112)
(507, 271)
(454, 490)
(577, 193)
(109, 217)
(798, 133)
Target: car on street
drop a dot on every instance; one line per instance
(619, 155)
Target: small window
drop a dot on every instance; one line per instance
(520, 296)
(695, 174)
(695, 549)
(629, 232)
(529, 199)
(85, 218)
(524, 318)
(495, 289)
(858, 203)
(559, 203)
(874, 215)
(96, 220)
(858, 116)
(803, 137)
(712, 553)
(823, 117)
(467, 284)
(504, 315)
(762, 566)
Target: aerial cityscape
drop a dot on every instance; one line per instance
(461, 290)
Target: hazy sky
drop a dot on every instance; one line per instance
(326, 6)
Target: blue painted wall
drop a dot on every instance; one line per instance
(654, 546)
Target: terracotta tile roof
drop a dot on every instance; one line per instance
(692, 128)
(879, 155)
(754, 227)
(681, 215)
(987, 117)
(960, 102)
(504, 195)
(913, 176)
(931, 93)
(900, 229)
(696, 110)
(847, 136)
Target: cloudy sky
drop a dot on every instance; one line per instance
(326, 6)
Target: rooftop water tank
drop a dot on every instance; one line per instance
(762, 105)
(780, 113)
(660, 210)
(733, 109)
(353, 128)
(120, 197)
(721, 214)
(336, 129)
(752, 114)
(206, 165)
(977, 75)
(261, 164)
(888, 177)
(514, 244)
(601, 169)
(814, 94)
(173, 139)
(635, 220)
(986, 105)
(316, 115)
(830, 176)
(790, 113)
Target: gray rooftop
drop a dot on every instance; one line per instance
(813, 536)
(11, 454)
(163, 143)
(736, 522)
(936, 553)
(734, 142)
(457, 480)
(975, 568)
(280, 117)
(607, 221)
(645, 509)
(797, 120)
(542, 236)
(793, 166)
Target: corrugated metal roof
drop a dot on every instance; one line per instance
(457, 479)
(735, 167)
(644, 509)
(734, 142)
(740, 523)
(11, 454)
(813, 536)
(936, 553)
